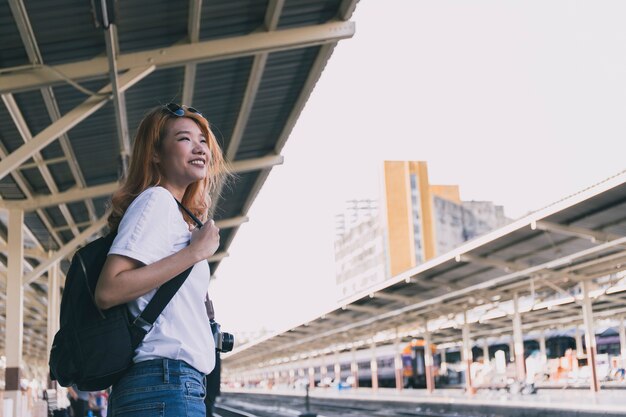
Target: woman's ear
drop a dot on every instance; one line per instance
(155, 158)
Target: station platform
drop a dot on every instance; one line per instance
(546, 402)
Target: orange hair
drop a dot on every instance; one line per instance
(144, 171)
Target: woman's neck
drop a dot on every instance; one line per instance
(177, 191)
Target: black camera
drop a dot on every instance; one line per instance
(224, 342)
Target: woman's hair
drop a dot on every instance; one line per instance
(144, 171)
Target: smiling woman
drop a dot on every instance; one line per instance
(175, 158)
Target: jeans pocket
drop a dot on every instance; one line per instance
(194, 389)
(141, 410)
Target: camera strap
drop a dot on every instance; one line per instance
(143, 323)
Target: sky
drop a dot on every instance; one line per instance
(518, 102)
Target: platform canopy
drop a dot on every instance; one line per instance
(76, 77)
(540, 260)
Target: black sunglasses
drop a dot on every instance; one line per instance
(178, 110)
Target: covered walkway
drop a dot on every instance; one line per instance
(76, 78)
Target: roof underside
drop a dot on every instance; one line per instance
(248, 65)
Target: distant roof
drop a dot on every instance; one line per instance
(541, 258)
(68, 118)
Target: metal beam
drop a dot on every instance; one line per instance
(20, 79)
(218, 256)
(68, 121)
(319, 64)
(231, 222)
(496, 263)
(393, 297)
(26, 135)
(25, 189)
(78, 194)
(569, 230)
(254, 79)
(255, 164)
(346, 8)
(34, 55)
(119, 100)
(361, 309)
(74, 194)
(314, 74)
(33, 253)
(272, 14)
(193, 31)
(66, 250)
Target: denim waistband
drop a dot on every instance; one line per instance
(165, 366)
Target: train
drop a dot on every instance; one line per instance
(447, 368)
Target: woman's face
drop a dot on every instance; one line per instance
(184, 153)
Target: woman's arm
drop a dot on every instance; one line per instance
(124, 279)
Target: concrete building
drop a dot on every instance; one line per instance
(418, 221)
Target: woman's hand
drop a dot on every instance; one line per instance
(206, 240)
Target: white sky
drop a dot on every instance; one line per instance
(518, 102)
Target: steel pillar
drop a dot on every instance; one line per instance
(397, 362)
(590, 337)
(542, 348)
(311, 377)
(53, 309)
(485, 352)
(354, 368)
(14, 308)
(622, 340)
(518, 340)
(374, 368)
(579, 342)
(467, 355)
(428, 361)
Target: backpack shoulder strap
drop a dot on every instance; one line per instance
(142, 324)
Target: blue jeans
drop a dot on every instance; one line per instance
(159, 388)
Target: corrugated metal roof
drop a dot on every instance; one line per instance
(71, 41)
(12, 52)
(226, 18)
(65, 30)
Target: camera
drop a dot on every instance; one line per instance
(224, 342)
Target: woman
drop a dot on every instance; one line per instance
(175, 157)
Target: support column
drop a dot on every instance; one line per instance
(622, 340)
(311, 377)
(467, 355)
(53, 302)
(374, 368)
(579, 342)
(542, 348)
(590, 337)
(518, 340)
(292, 377)
(14, 308)
(397, 364)
(485, 352)
(53, 308)
(428, 361)
(337, 368)
(354, 368)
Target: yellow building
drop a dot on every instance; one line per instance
(417, 221)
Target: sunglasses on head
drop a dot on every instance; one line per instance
(178, 110)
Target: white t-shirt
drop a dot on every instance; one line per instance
(153, 228)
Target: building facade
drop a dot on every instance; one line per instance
(416, 222)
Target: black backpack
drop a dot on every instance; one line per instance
(93, 348)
